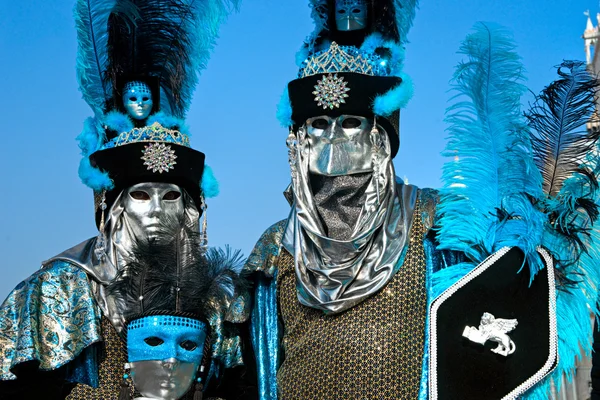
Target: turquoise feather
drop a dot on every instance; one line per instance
(91, 20)
(488, 184)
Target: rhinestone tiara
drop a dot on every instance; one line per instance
(344, 59)
(153, 133)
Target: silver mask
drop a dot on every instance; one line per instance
(148, 204)
(137, 99)
(167, 379)
(339, 146)
(350, 15)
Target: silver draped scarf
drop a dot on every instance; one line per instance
(120, 237)
(334, 275)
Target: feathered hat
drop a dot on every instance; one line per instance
(160, 46)
(357, 72)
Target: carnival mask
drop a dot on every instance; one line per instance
(164, 354)
(137, 99)
(148, 204)
(340, 146)
(350, 15)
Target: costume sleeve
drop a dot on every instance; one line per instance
(265, 329)
(46, 323)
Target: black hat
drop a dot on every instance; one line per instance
(353, 72)
(161, 45)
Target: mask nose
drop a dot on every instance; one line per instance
(170, 364)
(155, 207)
(335, 132)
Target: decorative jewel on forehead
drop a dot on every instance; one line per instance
(350, 15)
(331, 91)
(137, 99)
(159, 157)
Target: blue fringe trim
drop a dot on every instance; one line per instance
(118, 122)
(394, 99)
(209, 184)
(93, 177)
(91, 137)
(284, 110)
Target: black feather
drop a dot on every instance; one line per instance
(174, 276)
(558, 120)
(155, 38)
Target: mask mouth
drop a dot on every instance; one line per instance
(350, 23)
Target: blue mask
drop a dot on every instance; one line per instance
(164, 354)
(163, 337)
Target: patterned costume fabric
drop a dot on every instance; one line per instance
(372, 351)
(51, 318)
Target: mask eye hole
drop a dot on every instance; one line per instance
(356, 11)
(342, 11)
(188, 345)
(320, 123)
(145, 98)
(153, 341)
(172, 195)
(132, 98)
(350, 123)
(139, 195)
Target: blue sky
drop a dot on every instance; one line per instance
(45, 209)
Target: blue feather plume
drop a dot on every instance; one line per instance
(91, 20)
(203, 29)
(91, 137)
(405, 15)
(489, 185)
(209, 184)
(284, 109)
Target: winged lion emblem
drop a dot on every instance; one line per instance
(494, 329)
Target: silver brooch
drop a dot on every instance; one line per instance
(159, 157)
(494, 329)
(331, 91)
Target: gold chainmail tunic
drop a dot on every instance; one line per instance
(371, 351)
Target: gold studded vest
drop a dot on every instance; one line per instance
(371, 351)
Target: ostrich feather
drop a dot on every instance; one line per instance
(405, 15)
(91, 21)
(170, 40)
(155, 269)
(489, 185)
(557, 118)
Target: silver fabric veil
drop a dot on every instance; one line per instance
(335, 275)
(120, 242)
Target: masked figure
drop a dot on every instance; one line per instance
(373, 288)
(62, 330)
(171, 290)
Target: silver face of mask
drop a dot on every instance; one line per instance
(350, 15)
(339, 146)
(137, 99)
(167, 379)
(148, 204)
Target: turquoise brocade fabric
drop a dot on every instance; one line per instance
(51, 318)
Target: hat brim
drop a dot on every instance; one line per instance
(364, 89)
(125, 166)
